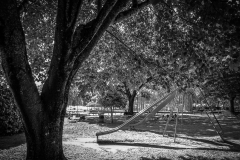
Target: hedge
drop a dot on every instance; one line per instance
(10, 120)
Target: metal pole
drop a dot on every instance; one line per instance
(214, 117)
(210, 109)
(169, 118)
(176, 126)
(183, 105)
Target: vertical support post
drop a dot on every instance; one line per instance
(214, 117)
(177, 100)
(137, 104)
(171, 113)
(183, 105)
(175, 133)
(143, 102)
(211, 110)
(166, 126)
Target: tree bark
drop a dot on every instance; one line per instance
(111, 114)
(131, 98)
(47, 142)
(42, 124)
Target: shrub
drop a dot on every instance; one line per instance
(10, 120)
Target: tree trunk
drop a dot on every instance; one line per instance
(47, 142)
(111, 114)
(42, 124)
(232, 104)
(130, 106)
(131, 98)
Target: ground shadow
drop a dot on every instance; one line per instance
(187, 157)
(108, 142)
(189, 125)
(153, 158)
(233, 146)
(190, 157)
(7, 142)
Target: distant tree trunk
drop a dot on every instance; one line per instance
(137, 101)
(232, 110)
(131, 98)
(111, 114)
(130, 105)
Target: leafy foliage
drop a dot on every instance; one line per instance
(146, 94)
(38, 24)
(112, 99)
(10, 120)
(224, 84)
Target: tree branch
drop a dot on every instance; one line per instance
(127, 90)
(80, 40)
(99, 5)
(67, 14)
(120, 90)
(133, 10)
(86, 36)
(147, 81)
(15, 63)
(59, 43)
(89, 34)
(134, 3)
(74, 7)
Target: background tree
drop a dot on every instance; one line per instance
(216, 47)
(223, 85)
(130, 59)
(112, 99)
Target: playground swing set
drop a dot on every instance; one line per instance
(175, 97)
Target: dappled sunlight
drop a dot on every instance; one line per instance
(189, 128)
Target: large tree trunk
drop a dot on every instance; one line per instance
(43, 115)
(46, 142)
